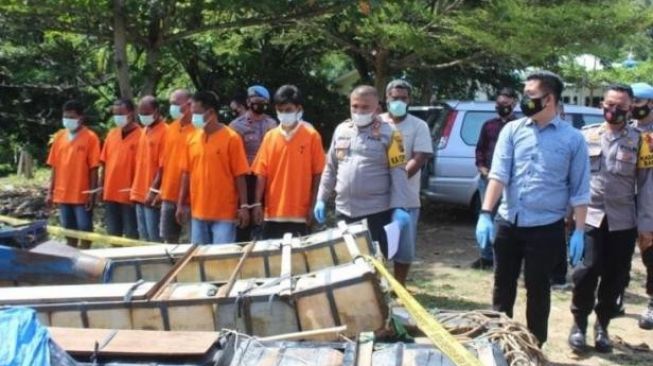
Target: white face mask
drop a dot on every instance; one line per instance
(362, 119)
(288, 119)
(146, 119)
(120, 120)
(71, 124)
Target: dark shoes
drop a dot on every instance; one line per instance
(602, 342)
(646, 319)
(482, 263)
(577, 340)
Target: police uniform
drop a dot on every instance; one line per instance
(366, 169)
(645, 203)
(611, 224)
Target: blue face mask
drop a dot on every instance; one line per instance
(397, 108)
(198, 120)
(146, 119)
(120, 120)
(71, 124)
(175, 111)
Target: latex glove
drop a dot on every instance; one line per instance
(576, 247)
(484, 230)
(401, 216)
(320, 212)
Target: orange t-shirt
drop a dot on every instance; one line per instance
(148, 156)
(72, 161)
(175, 145)
(119, 159)
(289, 164)
(213, 165)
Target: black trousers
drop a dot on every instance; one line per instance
(251, 231)
(647, 258)
(276, 230)
(603, 272)
(539, 248)
(375, 223)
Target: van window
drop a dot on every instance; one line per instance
(472, 123)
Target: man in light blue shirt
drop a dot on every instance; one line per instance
(541, 164)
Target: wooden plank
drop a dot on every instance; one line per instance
(286, 264)
(352, 246)
(134, 342)
(71, 293)
(365, 349)
(160, 286)
(226, 289)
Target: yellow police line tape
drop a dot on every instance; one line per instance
(435, 332)
(82, 235)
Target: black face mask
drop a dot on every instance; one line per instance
(531, 106)
(258, 108)
(503, 111)
(641, 112)
(615, 116)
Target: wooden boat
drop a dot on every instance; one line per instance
(207, 348)
(347, 294)
(211, 263)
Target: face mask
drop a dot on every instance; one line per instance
(288, 119)
(120, 120)
(362, 119)
(641, 112)
(146, 120)
(198, 120)
(175, 111)
(615, 116)
(70, 124)
(531, 106)
(503, 111)
(398, 108)
(257, 108)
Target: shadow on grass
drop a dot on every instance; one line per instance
(447, 302)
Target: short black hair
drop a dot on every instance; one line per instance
(75, 106)
(622, 88)
(125, 102)
(208, 99)
(550, 82)
(399, 84)
(288, 94)
(507, 92)
(240, 98)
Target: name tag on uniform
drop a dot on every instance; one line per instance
(342, 148)
(626, 153)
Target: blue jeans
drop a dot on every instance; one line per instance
(75, 217)
(488, 252)
(407, 239)
(212, 232)
(120, 219)
(148, 219)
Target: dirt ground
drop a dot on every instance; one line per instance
(442, 278)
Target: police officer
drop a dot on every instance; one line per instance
(643, 115)
(611, 224)
(366, 168)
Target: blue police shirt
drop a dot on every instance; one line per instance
(544, 171)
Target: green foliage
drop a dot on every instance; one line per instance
(53, 50)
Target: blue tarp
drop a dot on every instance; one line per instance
(23, 340)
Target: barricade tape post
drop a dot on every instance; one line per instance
(433, 330)
(82, 235)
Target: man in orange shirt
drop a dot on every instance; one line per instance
(148, 158)
(214, 169)
(288, 168)
(118, 160)
(169, 175)
(74, 158)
